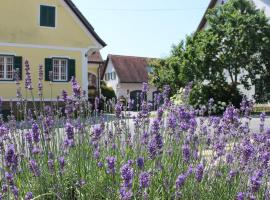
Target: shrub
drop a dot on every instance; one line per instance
(223, 95)
(107, 92)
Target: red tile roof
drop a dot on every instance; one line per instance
(95, 57)
(130, 69)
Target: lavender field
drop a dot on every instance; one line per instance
(178, 153)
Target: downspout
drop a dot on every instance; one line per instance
(99, 88)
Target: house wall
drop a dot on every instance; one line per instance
(111, 83)
(93, 68)
(36, 57)
(19, 22)
(21, 35)
(123, 88)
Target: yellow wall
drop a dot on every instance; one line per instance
(93, 68)
(19, 21)
(36, 57)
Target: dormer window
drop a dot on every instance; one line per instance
(47, 16)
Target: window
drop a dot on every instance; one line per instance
(60, 69)
(113, 75)
(92, 80)
(6, 67)
(47, 16)
(107, 76)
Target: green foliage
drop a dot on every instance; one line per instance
(262, 88)
(201, 94)
(107, 92)
(166, 72)
(233, 50)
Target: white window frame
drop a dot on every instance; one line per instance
(5, 68)
(60, 69)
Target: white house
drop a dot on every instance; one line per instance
(126, 74)
(260, 4)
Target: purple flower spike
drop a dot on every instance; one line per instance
(62, 163)
(29, 196)
(199, 172)
(144, 180)
(111, 164)
(240, 196)
(127, 175)
(140, 162)
(180, 181)
(186, 153)
(125, 194)
(9, 178)
(33, 166)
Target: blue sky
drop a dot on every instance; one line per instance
(142, 27)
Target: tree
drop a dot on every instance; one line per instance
(167, 71)
(234, 49)
(238, 42)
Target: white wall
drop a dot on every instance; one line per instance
(124, 87)
(121, 89)
(111, 83)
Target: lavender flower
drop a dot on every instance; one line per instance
(10, 155)
(100, 164)
(15, 192)
(199, 172)
(118, 109)
(240, 196)
(256, 181)
(144, 180)
(28, 79)
(125, 194)
(64, 95)
(186, 153)
(140, 162)
(62, 163)
(111, 165)
(9, 178)
(97, 132)
(155, 146)
(180, 181)
(29, 196)
(69, 129)
(40, 79)
(4, 188)
(51, 165)
(76, 88)
(35, 132)
(96, 154)
(33, 166)
(127, 175)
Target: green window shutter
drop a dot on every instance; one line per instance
(71, 69)
(47, 16)
(48, 68)
(18, 66)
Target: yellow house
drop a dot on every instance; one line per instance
(52, 33)
(95, 67)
